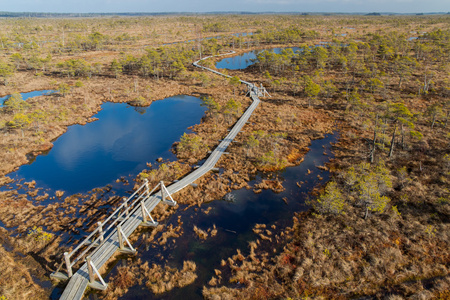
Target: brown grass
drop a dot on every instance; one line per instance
(160, 280)
(311, 264)
(16, 280)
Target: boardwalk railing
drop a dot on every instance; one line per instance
(104, 229)
(112, 234)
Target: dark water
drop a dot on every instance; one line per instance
(25, 96)
(241, 34)
(240, 62)
(234, 221)
(120, 143)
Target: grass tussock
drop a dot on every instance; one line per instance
(125, 278)
(160, 280)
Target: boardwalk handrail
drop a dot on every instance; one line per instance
(132, 218)
(251, 85)
(100, 238)
(124, 214)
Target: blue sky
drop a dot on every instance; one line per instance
(82, 6)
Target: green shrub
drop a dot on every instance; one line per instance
(190, 144)
(39, 235)
(330, 201)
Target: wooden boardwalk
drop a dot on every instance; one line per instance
(80, 280)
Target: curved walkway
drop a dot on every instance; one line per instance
(80, 280)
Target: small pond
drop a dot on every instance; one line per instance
(119, 143)
(25, 96)
(240, 62)
(242, 34)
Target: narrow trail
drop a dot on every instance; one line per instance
(109, 246)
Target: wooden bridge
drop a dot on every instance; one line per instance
(112, 234)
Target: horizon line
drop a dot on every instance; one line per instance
(223, 12)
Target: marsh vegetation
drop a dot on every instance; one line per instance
(378, 228)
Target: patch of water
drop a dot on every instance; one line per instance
(240, 62)
(25, 96)
(119, 144)
(243, 34)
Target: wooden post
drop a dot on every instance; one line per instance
(144, 215)
(165, 193)
(68, 266)
(119, 235)
(161, 185)
(121, 238)
(147, 189)
(126, 209)
(90, 270)
(100, 231)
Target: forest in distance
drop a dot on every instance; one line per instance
(6, 14)
(376, 228)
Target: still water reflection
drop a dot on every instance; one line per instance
(244, 60)
(120, 143)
